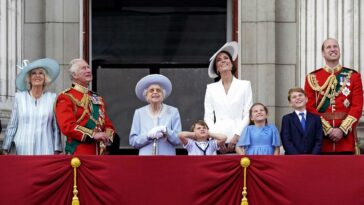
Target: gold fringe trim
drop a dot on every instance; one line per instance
(347, 124)
(75, 163)
(325, 125)
(244, 162)
(85, 131)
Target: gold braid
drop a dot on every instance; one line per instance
(330, 86)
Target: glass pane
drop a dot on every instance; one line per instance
(117, 86)
(157, 32)
(189, 86)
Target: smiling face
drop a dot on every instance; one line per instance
(331, 52)
(154, 94)
(37, 77)
(223, 63)
(298, 100)
(258, 113)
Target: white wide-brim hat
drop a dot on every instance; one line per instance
(51, 66)
(230, 47)
(148, 80)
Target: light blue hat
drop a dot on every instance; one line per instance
(148, 80)
(231, 47)
(50, 65)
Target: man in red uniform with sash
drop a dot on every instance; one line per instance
(336, 94)
(81, 114)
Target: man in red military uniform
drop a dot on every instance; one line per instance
(81, 114)
(336, 94)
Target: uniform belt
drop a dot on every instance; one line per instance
(334, 115)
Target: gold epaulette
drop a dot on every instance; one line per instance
(325, 125)
(347, 123)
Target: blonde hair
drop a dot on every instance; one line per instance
(47, 79)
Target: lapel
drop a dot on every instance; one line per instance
(226, 98)
(309, 121)
(297, 123)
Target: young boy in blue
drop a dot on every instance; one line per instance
(200, 141)
(301, 131)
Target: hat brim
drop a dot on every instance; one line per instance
(230, 47)
(50, 65)
(148, 80)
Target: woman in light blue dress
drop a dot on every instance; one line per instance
(32, 126)
(259, 138)
(155, 126)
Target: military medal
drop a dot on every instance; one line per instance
(346, 103)
(95, 99)
(346, 91)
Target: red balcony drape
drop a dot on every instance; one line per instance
(184, 180)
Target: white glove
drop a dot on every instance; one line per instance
(156, 132)
(158, 135)
(162, 128)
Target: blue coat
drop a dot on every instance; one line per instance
(297, 141)
(143, 122)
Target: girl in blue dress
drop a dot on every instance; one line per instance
(259, 138)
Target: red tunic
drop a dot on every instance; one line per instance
(338, 99)
(75, 113)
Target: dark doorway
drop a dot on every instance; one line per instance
(133, 38)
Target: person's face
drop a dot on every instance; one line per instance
(223, 63)
(83, 75)
(154, 94)
(331, 52)
(258, 113)
(298, 101)
(37, 77)
(201, 132)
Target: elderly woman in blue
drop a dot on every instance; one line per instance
(32, 126)
(155, 126)
(259, 138)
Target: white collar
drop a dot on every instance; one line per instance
(298, 112)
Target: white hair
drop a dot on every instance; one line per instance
(73, 67)
(146, 91)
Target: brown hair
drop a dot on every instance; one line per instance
(233, 69)
(296, 89)
(251, 112)
(199, 122)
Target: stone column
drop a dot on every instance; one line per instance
(257, 39)
(10, 53)
(343, 20)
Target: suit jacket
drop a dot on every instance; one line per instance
(297, 141)
(228, 113)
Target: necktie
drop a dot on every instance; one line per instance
(303, 121)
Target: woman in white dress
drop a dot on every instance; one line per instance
(32, 126)
(227, 102)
